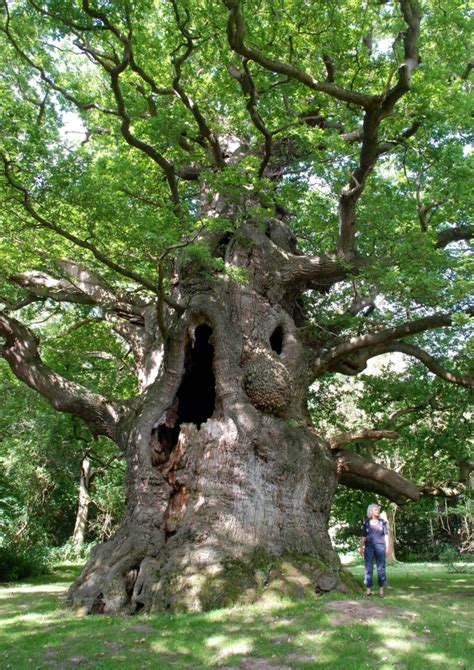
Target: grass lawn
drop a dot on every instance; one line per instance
(424, 622)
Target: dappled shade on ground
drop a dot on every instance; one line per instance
(423, 622)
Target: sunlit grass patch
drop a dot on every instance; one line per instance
(424, 622)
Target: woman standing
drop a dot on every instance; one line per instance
(374, 546)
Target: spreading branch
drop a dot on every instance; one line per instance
(44, 76)
(364, 474)
(427, 360)
(381, 337)
(190, 104)
(236, 36)
(350, 357)
(341, 439)
(374, 114)
(248, 88)
(21, 351)
(455, 234)
(28, 205)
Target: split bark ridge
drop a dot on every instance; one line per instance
(226, 475)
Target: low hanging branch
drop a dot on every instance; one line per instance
(355, 436)
(27, 203)
(351, 356)
(364, 474)
(447, 489)
(21, 351)
(358, 472)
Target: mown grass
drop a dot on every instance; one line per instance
(424, 622)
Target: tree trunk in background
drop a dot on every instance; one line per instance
(392, 530)
(82, 515)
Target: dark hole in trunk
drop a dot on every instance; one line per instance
(276, 340)
(99, 605)
(223, 244)
(196, 397)
(197, 393)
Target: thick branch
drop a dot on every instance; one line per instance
(323, 270)
(446, 489)
(45, 286)
(358, 472)
(456, 234)
(358, 435)
(353, 481)
(236, 35)
(411, 12)
(374, 114)
(352, 191)
(21, 351)
(384, 337)
(427, 360)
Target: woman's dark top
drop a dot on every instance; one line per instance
(374, 533)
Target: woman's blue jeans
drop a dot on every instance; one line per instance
(374, 552)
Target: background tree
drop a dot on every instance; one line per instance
(265, 193)
(41, 453)
(432, 442)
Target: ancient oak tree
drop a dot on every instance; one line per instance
(228, 200)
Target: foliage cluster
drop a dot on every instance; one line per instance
(433, 421)
(41, 453)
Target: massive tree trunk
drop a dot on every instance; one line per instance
(226, 478)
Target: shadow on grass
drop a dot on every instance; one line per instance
(423, 623)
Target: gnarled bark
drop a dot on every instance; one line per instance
(222, 469)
